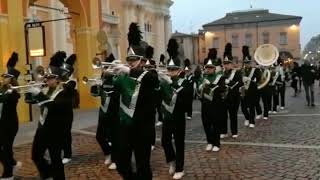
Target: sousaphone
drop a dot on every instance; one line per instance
(266, 55)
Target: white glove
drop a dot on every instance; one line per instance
(121, 69)
(227, 81)
(34, 90)
(9, 91)
(218, 69)
(246, 79)
(206, 82)
(164, 77)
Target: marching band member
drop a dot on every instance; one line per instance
(137, 108)
(212, 95)
(9, 118)
(174, 96)
(266, 95)
(151, 65)
(190, 79)
(68, 70)
(108, 116)
(275, 76)
(54, 102)
(234, 81)
(281, 84)
(249, 91)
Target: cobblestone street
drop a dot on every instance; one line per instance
(287, 146)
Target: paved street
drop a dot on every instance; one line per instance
(285, 147)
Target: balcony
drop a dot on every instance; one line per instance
(110, 19)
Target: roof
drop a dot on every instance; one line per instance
(251, 16)
(179, 34)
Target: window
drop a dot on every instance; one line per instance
(204, 50)
(265, 38)
(215, 42)
(235, 40)
(147, 27)
(248, 40)
(283, 38)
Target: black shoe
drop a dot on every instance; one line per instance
(313, 105)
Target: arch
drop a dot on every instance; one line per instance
(285, 55)
(3, 7)
(78, 6)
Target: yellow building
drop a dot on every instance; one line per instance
(252, 28)
(79, 34)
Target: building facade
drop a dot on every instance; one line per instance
(252, 28)
(79, 33)
(189, 46)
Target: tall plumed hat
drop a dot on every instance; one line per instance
(227, 55)
(67, 67)
(149, 57)
(11, 64)
(172, 49)
(246, 54)
(137, 48)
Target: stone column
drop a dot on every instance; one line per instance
(141, 21)
(16, 42)
(167, 27)
(59, 28)
(161, 43)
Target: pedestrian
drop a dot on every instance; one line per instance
(308, 74)
(295, 78)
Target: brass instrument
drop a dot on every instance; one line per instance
(86, 80)
(99, 64)
(265, 55)
(29, 85)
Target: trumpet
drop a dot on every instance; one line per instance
(99, 64)
(28, 86)
(86, 80)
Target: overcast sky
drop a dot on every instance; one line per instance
(189, 15)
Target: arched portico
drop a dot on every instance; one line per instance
(13, 15)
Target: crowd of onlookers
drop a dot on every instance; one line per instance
(306, 75)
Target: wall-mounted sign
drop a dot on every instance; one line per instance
(36, 41)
